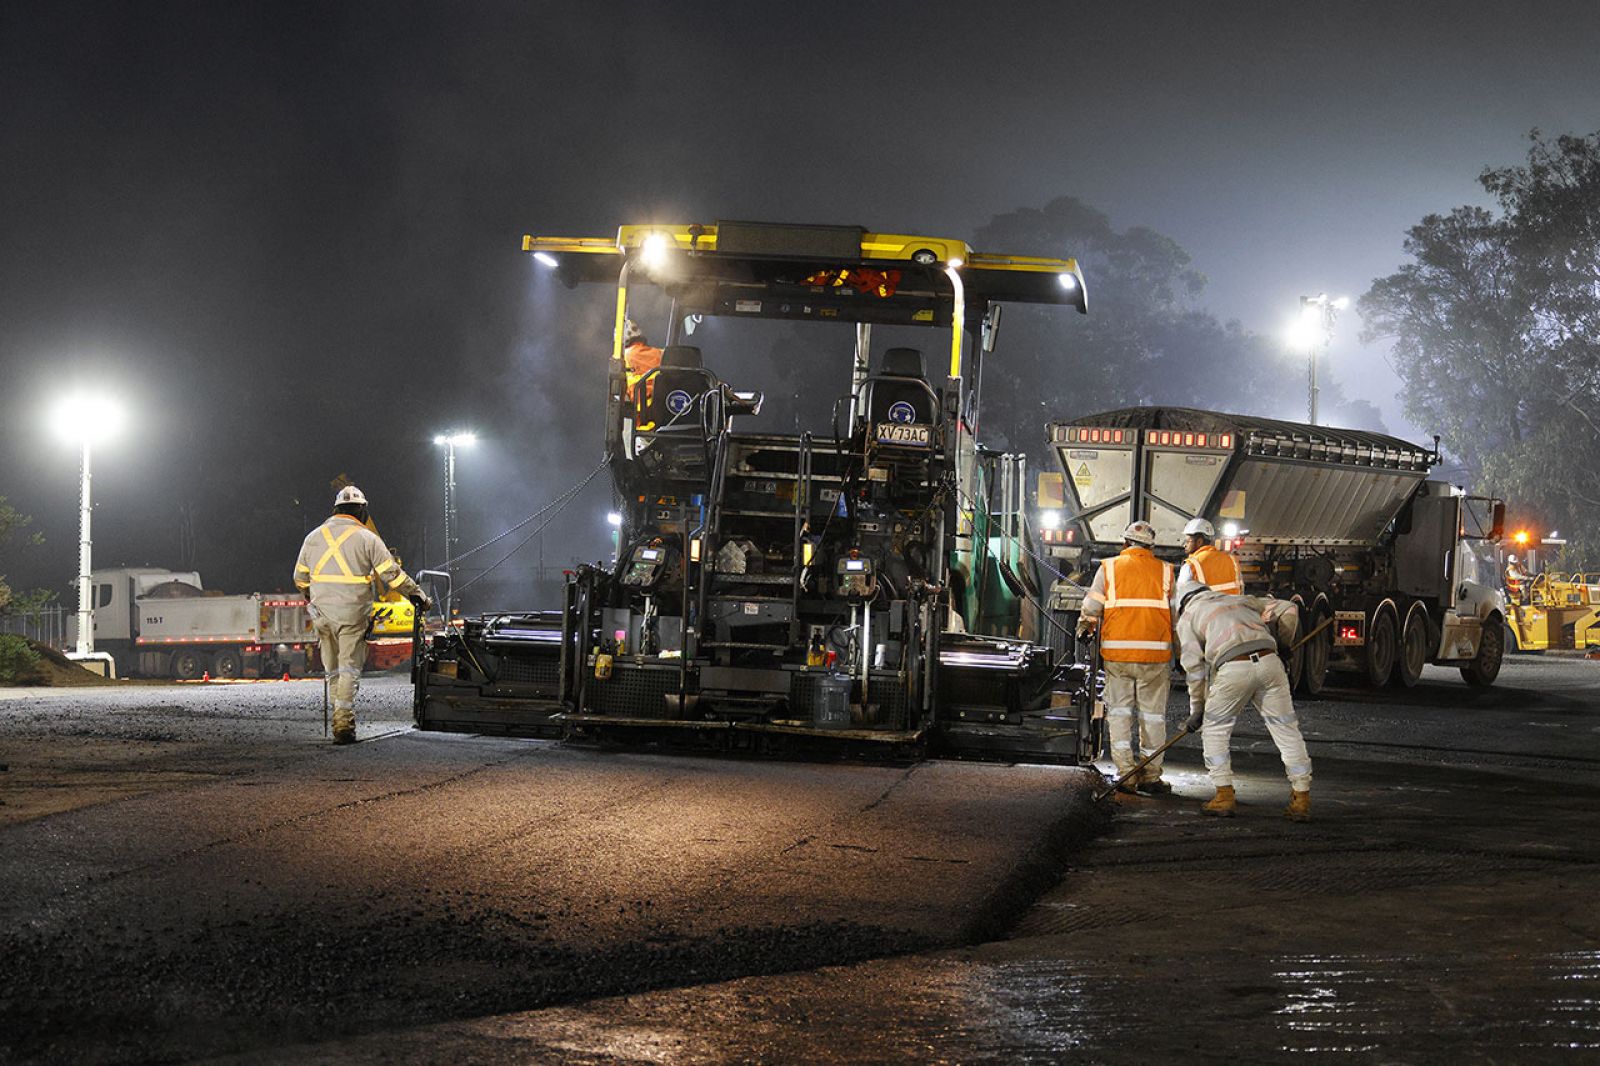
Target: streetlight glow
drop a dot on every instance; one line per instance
(1312, 329)
(86, 418)
(456, 440)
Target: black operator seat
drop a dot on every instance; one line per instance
(899, 391)
(670, 396)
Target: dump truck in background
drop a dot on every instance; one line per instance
(164, 623)
(1346, 523)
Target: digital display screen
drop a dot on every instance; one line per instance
(855, 564)
(650, 555)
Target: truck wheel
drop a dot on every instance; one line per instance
(1318, 650)
(1380, 648)
(227, 663)
(188, 664)
(1413, 651)
(1485, 666)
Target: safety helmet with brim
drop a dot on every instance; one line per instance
(349, 494)
(1141, 533)
(1199, 527)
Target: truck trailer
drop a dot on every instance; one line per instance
(163, 623)
(1346, 523)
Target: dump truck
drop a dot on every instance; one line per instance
(164, 623)
(863, 584)
(1346, 523)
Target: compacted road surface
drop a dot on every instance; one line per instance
(1442, 908)
(193, 870)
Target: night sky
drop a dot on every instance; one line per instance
(289, 234)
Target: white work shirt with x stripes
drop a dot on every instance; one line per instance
(339, 564)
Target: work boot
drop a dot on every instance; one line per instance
(1128, 786)
(1299, 809)
(1154, 786)
(344, 728)
(1222, 805)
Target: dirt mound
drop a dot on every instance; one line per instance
(55, 670)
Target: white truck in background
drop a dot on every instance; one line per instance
(163, 623)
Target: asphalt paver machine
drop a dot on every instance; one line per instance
(865, 584)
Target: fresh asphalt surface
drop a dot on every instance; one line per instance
(214, 879)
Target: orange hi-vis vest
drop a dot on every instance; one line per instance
(1216, 568)
(1137, 627)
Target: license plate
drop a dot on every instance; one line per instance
(901, 433)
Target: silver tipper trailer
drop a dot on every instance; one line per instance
(1344, 522)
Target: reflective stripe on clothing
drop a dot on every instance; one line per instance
(1135, 589)
(1266, 684)
(338, 562)
(1141, 687)
(1217, 569)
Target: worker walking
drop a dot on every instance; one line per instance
(1230, 656)
(1206, 563)
(1130, 602)
(338, 564)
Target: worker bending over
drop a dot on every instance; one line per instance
(338, 564)
(1206, 563)
(1231, 659)
(1130, 602)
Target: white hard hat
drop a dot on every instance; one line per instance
(1511, 558)
(1140, 533)
(1200, 526)
(349, 494)
(1186, 588)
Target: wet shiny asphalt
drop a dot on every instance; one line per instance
(1440, 908)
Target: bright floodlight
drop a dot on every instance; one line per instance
(1341, 303)
(456, 440)
(1230, 530)
(547, 259)
(1305, 329)
(955, 262)
(86, 418)
(613, 519)
(655, 249)
(1068, 282)
(1049, 519)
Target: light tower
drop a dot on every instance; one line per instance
(86, 419)
(1313, 330)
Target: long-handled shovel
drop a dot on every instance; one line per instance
(1190, 725)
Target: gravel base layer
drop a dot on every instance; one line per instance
(192, 870)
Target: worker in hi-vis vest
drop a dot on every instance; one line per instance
(1130, 602)
(1206, 563)
(338, 564)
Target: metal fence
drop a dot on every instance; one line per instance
(47, 625)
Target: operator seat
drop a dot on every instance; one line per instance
(899, 391)
(668, 399)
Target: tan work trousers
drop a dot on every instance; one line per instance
(1137, 689)
(1265, 684)
(344, 653)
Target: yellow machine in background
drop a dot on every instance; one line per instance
(1562, 611)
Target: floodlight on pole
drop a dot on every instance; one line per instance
(86, 419)
(1313, 329)
(450, 442)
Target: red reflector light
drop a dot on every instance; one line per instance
(1349, 633)
(1188, 440)
(1071, 535)
(1227, 440)
(1117, 437)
